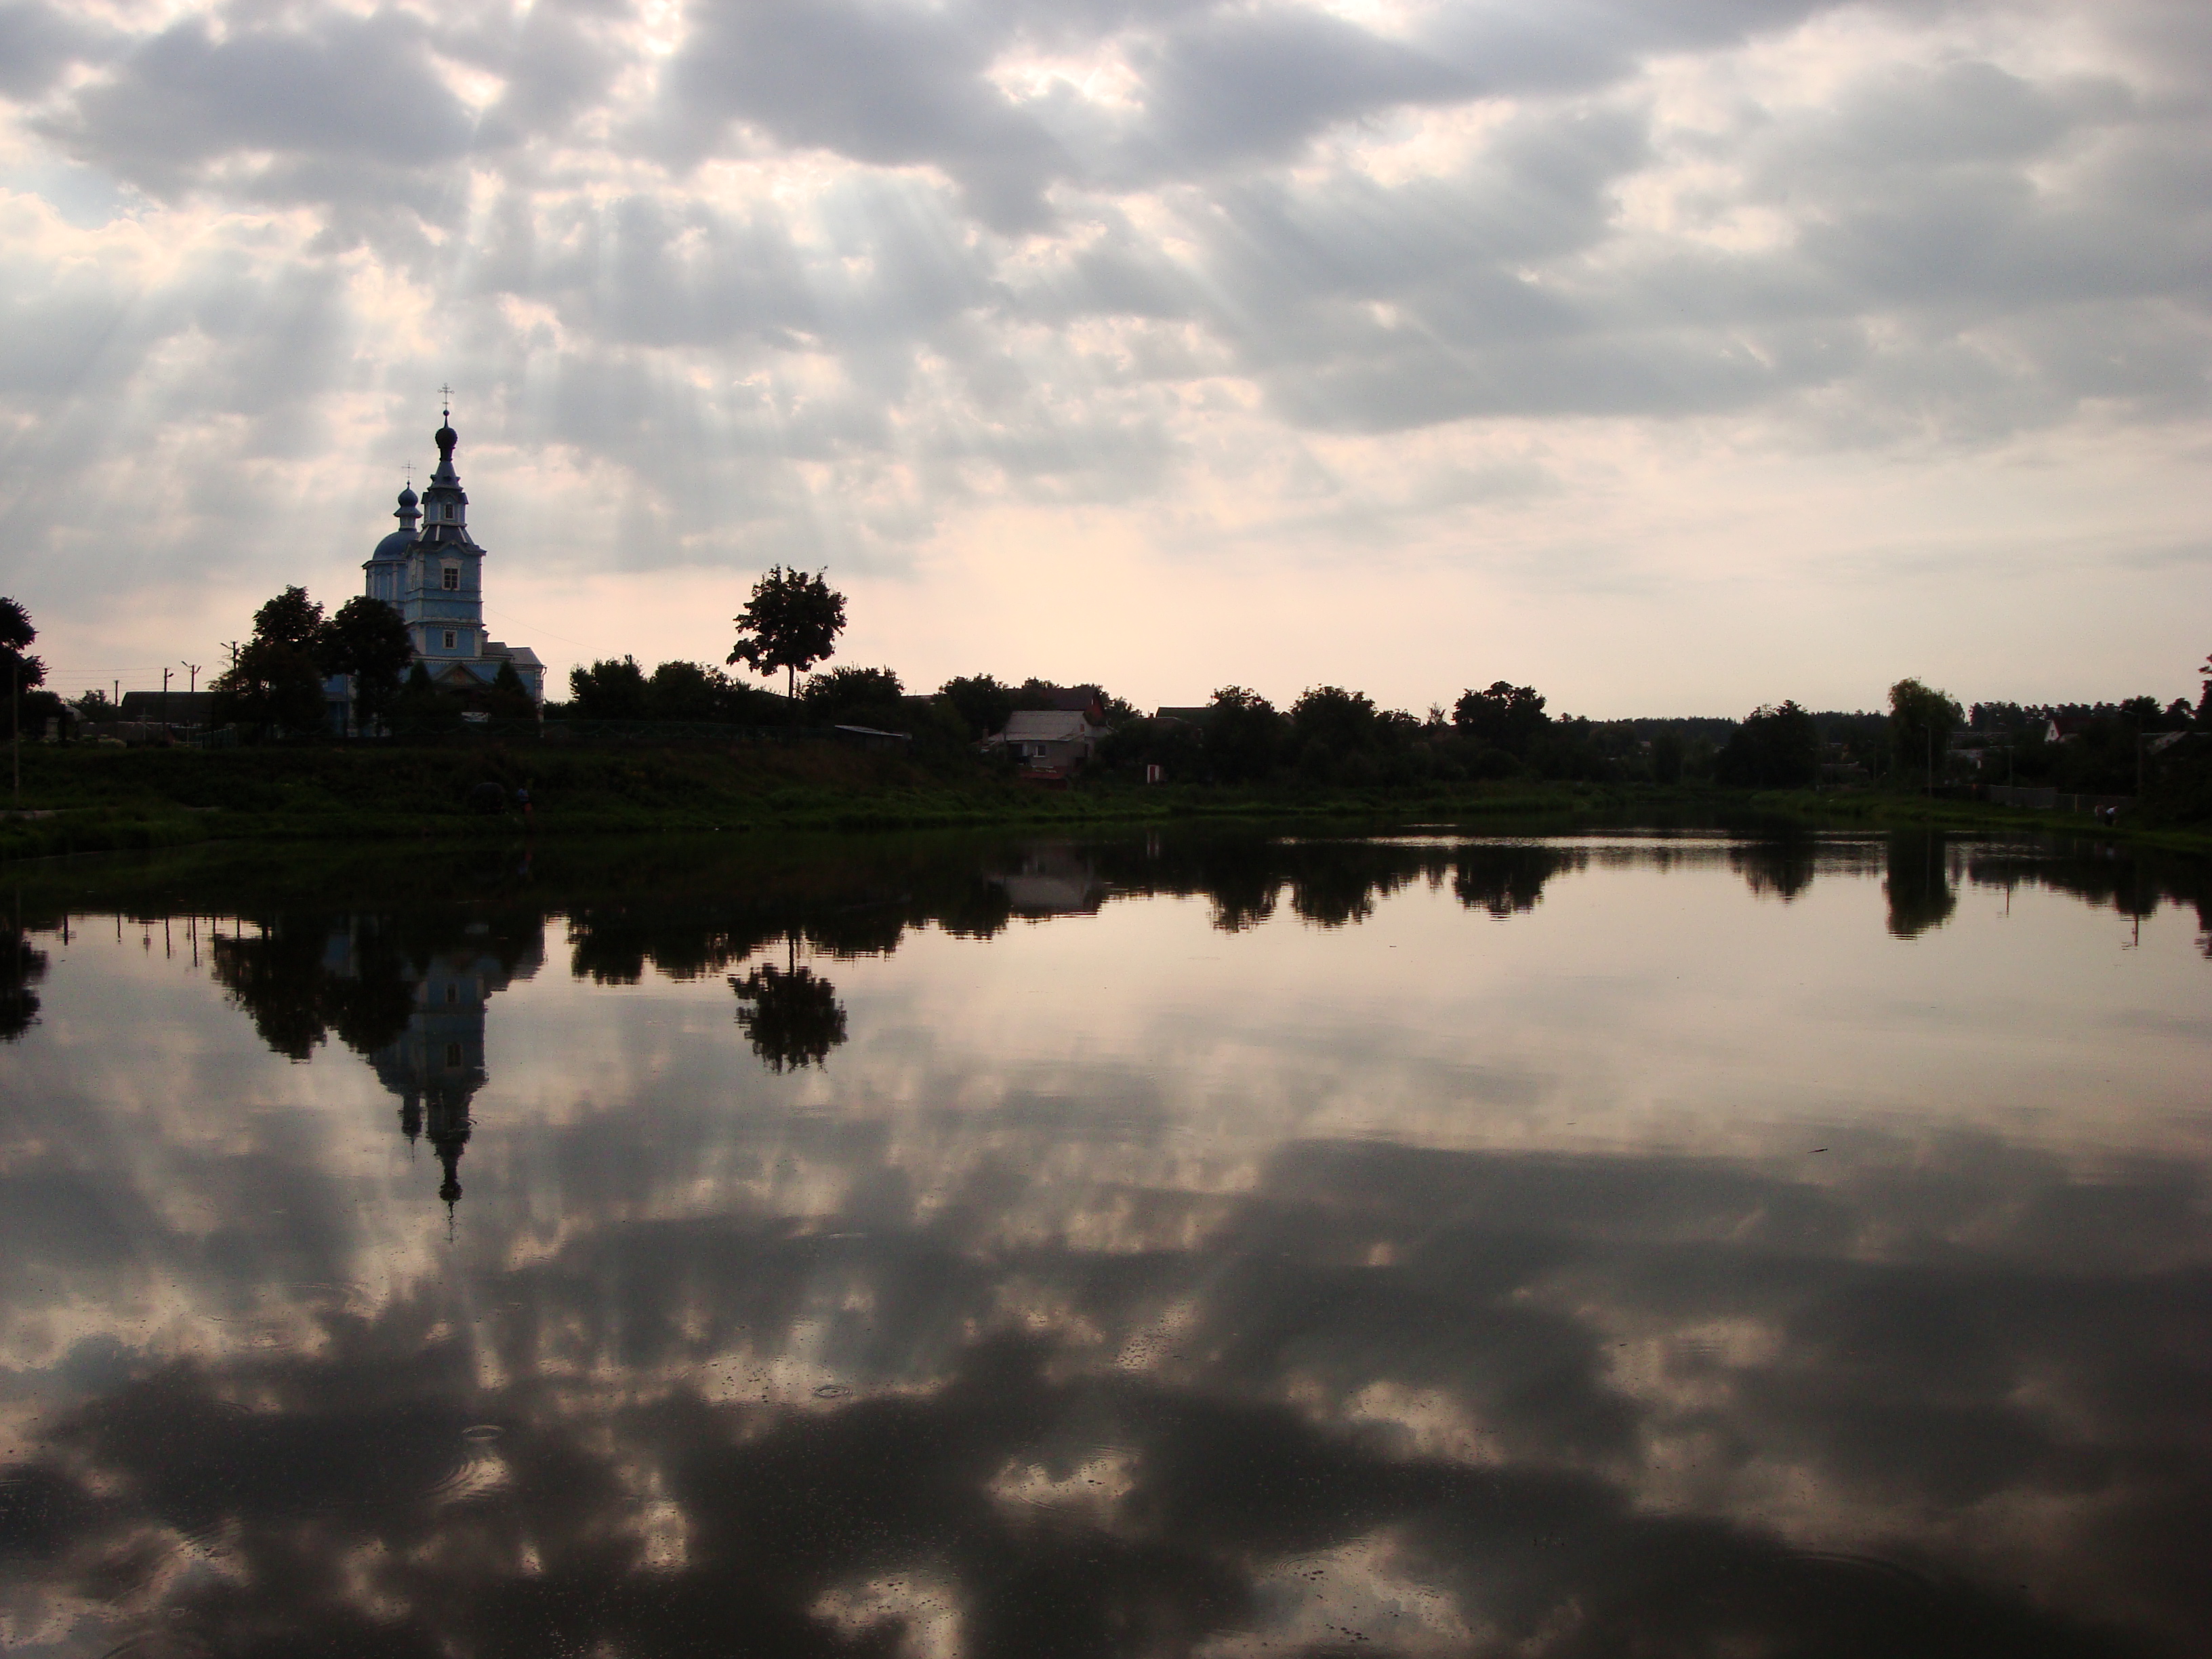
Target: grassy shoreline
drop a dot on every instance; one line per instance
(105, 800)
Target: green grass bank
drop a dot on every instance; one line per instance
(96, 799)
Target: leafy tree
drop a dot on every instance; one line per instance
(981, 701)
(790, 622)
(854, 696)
(1245, 735)
(608, 690)
(1774, 748)
(365, 639)
(1921, 721)
(291, 619)
(685, 692)
(94, 705)
(422, 708)
(1666, 753)
(1502, 716)
(1343, 721)
(275, 686)
(509, 698)
(273, 689)
(16, 633)
(19, 671)
(1179, 749)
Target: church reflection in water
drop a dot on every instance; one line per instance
(436, 1065)
(408, 997)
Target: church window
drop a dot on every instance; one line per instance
(453, 1056)
(453, 577)
(449, 638)
(449, 512)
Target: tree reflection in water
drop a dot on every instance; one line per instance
(791, 1016)
(1918, 884)
(22, 965)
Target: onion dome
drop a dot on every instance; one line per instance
(397, 543)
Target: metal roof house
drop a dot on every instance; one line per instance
(1050, 742)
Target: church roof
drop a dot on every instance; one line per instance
(396, 545)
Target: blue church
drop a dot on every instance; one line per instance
(430, 570)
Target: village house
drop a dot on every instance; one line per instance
(1055, 742)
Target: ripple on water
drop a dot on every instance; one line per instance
(171, 1639)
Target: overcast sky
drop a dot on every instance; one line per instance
(1672, 355)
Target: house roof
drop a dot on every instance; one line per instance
(1066, 699)
(1048, 726)
(177, 707)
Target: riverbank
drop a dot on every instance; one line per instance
(80, 800)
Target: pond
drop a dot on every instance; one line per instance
(1665, 1243)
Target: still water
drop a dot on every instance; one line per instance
(1615, 1244)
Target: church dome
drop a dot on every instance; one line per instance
(396, 545)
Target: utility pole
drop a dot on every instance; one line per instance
(193, 669)
(166, 672)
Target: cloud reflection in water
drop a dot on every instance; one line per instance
(1000, 1334)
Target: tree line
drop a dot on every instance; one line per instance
(1329, 735)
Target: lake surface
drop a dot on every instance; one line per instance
(1652, 1244)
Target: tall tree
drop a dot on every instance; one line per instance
(291, 619)
(275, 686)
(980, 701)
(19, 671)
(1504, 715)
(1774, 748)
(365, 639)
(1921, 721)
(1245, 735)
(790, 622)
(866, 696)
(608, 690)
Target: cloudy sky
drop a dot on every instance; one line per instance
(1674, 356)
